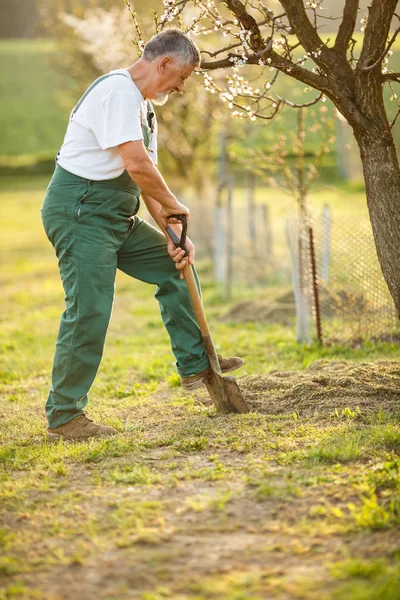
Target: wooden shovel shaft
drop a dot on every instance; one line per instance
(224, 391)
(201, 318)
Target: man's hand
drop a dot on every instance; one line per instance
(177, 254)
(166, 214)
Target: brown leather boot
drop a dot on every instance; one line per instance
(80, 428)
(227, 365)
(230, 364)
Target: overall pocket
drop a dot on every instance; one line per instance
(90, 205)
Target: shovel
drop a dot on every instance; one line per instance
(223, 391)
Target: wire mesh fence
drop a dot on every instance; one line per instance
(344, 298)
(355, 300)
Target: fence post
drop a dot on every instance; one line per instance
(300, 290)
(251, 212)
(326, 243)
(219, 239)
(266, 222)
(229, 239)
(219, 243)
(315, 284)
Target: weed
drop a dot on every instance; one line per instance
(385, 475)
(133, 475)
(347, 414)
(372, 515)
(265, 490)
(359, 568)
(9, 565)
(215, 503)
(192, 445)
(368, 584)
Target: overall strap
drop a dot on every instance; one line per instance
(93, 86)
(150, 115)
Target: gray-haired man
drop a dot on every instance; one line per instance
(108, 159)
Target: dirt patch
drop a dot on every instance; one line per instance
(325, 386)
(250, 311)
(341, 303)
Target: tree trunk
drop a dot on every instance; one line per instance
(382, 181)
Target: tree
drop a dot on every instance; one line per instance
(252, 36)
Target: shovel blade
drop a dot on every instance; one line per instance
(234, 395)
(225, 394)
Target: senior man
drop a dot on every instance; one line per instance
(108, 159)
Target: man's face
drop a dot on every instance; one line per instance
(171, 77)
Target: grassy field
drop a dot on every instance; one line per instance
(33, 118)
(299, 499)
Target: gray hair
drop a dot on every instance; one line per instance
(172, 42)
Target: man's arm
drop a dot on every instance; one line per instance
(160, 201)
(143, 172)
(154, 207)
(176, 254)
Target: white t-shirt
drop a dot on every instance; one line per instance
(112, 113)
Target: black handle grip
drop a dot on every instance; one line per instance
(179, 242)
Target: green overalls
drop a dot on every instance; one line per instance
(90, 225)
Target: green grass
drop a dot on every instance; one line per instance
(32, 115)
(183, 504)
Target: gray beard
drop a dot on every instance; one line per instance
(161, 98)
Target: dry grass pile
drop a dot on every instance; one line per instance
(325, 386)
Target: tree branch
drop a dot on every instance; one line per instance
(347, 26)
(380, 59)
(308, 36)
(305, 105)
(264, 52)
(390, 77)
(281, 63)
(395, 119)
(247, 22)
(214, 54)
(376, 32)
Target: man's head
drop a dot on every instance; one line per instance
(171, 57)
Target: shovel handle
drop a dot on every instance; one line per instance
(189, 276)
(179, 242)
(201, 318)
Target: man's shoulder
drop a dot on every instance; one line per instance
(117, 81)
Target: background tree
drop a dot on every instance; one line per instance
(50, 11)
(285, 38)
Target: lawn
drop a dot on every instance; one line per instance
(33, 116)
(299, 499)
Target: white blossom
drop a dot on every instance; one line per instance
(104, 34)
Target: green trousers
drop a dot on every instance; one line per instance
(89, 225)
